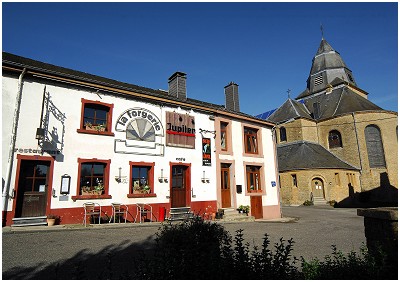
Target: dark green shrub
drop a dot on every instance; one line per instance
(308, 203)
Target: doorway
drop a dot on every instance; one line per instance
(33, 188)
(256, 206)
(180, 186)
(318, 188)
(225, 186)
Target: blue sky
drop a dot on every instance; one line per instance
(266, 48)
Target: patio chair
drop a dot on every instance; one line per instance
(143, 211)
(119, 209)
(92, 210)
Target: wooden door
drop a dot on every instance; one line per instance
(225, 186)
(178, 186)
(318, 188)
(256, 206)
(32, 188)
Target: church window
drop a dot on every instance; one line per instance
(375, 151)
(282, 133)
(335, 139)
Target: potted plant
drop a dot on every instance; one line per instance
(246, 209)
(97, 127)
(146, 189)
(98, 190)
(51, 219)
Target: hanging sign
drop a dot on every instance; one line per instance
(180, 130)
(206, 143)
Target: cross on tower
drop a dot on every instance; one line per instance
(322, 31)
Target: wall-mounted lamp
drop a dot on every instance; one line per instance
(162, 179)
(204, 179)
(40, 133)
(118, 178)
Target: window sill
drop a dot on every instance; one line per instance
(84, 131)
(254, 155)
(255, 192)
(150, 195)
(90, 197)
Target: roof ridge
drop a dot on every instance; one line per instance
(295, 109)
(338, 103)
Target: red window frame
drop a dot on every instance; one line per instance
(108, 126)
(224, 133)
(150, 180)
(106, 179)
(251, 135)
(253, 173)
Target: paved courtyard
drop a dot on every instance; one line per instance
(28, 251)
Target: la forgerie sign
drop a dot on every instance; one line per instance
(180, 130)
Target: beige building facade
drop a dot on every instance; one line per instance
(333, 143)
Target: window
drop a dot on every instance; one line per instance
(294, 179)
(351, 177)
(375, 151)
(93, 175)
(334, 139)
(253, 179)
(96, 118)
(142, 179)
(282, 133)
(224, 145)
(250, 140)
(337, 179)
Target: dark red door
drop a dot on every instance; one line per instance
(178, 186)
(32, 188)
(256, 206)
(225, 186)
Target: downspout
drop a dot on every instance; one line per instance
(6, 190)
(358, 148)
(278, 186)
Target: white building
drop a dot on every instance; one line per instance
(71, 137)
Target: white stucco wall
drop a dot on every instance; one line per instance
(67, 102)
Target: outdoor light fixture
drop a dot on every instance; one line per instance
(162, 178)
(204, 179)
(118, 178)
(40, 133)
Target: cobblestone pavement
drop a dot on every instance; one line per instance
(314, 229)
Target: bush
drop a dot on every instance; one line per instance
(203, 250)
(308, 203)
(363, 266)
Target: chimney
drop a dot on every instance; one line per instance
(232, 97)
(177, 85)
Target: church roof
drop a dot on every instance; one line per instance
(327, 65)
(306, 155)
(340, 101)
(291, 109)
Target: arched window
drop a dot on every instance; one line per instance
(373, 140)
(335, 139)
(282, 133)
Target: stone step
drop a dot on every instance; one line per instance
(319, 201)
(180, 214)
(29, 221)
(234, 215)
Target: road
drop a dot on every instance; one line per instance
(30, 254)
